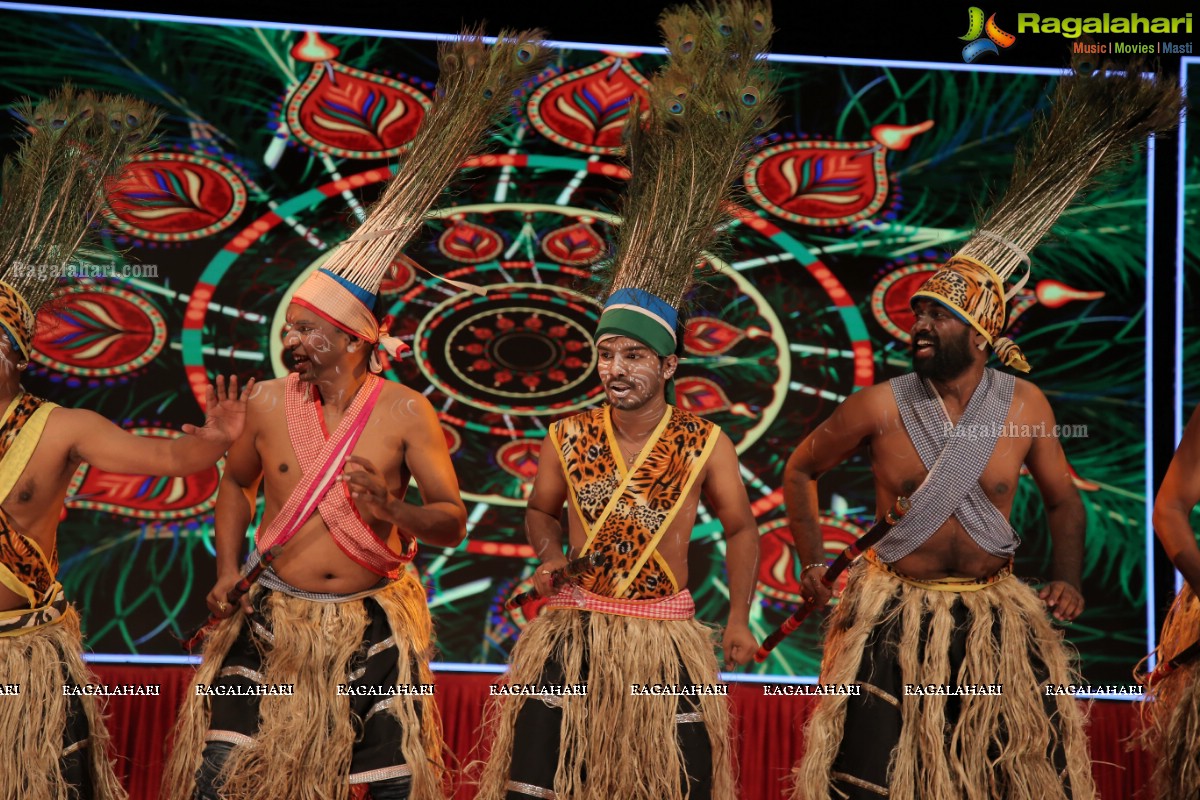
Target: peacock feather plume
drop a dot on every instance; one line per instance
(707, 105)
(1097, 121)
(55, 184)
(475, 87)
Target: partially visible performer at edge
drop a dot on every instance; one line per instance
(53, 742)
(1172, 734)
(634, 471)
(935, 602)
(339, 615)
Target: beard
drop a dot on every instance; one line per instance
(951, 358)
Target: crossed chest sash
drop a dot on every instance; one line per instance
(627, 511)
(321, 456)
(24, 569)
(956, 457)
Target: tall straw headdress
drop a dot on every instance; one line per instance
(475, 86)
(707, 105)
(53, 188)
(1096, 121)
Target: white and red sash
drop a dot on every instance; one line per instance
(321, 457)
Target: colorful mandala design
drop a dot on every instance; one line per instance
(176, 197)
(98, 331)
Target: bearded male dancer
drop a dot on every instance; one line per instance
(337, 615)
(53, 743)
(632, 474)
(1172, 714)
(935, 602)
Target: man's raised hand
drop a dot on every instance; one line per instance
(224, 412)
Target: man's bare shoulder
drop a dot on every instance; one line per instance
(869, 403)
(267, 393)
(1029, 399)
(72, 420)
(404, 405)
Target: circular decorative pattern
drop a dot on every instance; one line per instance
(98, 331)
(891, 298)
(739, 369)
(525, 349)
(175, 197)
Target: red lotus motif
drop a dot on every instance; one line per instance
(779, 568)
(175, 197)
(586, 109)
(469, 243)
(710, 336)
(819, 183)
(519, 458)
(703, 396)
(575, 245)
(350, 113)
(144, 496)
(98, 331)
(890, 300)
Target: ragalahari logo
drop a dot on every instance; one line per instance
(978, 42)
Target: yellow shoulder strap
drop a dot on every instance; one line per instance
(21, 450)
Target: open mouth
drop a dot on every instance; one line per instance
(924, 346)
(619, 390)
(300, 362)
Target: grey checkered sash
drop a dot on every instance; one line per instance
(955, 459)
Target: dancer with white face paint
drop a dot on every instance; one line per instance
(338, 613)
(633, 472)
(53, 742)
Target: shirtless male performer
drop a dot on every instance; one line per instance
(41, 447)
(599, 634)
(1170, 734)
(336, 609)
(941, 607)
(53, 743)
(934, 603)
(335, 447)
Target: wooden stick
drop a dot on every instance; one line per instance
(233, 597)
(869, 539)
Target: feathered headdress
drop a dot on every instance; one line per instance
(53, 188)
(1096, 121)
(475, 86)
(707, 105)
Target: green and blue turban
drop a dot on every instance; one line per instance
(642, 316)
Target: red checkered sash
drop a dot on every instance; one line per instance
(321, 459)
(576, 598)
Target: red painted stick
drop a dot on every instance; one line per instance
(869, 539)
(234, 597)
(1182, 658)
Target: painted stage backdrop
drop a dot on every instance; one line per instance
(277, 140)
(1189, 252)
